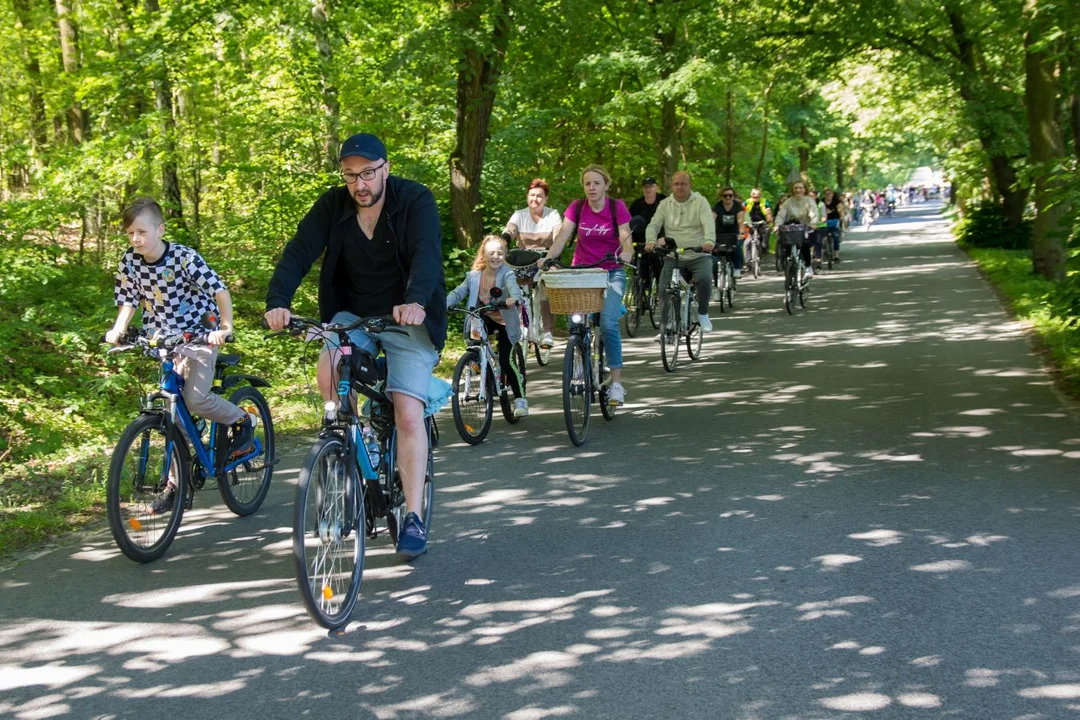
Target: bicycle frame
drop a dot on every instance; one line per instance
(488, 359)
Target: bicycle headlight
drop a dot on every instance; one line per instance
(330, 406)
(577, 318)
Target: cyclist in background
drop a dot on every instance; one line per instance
(759, 213)
(603, 227)
(534, 227)
(687, 221)
(835, 211)
(729, 215)
(648, 263)
(801, 209)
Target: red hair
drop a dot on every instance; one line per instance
(538, 183)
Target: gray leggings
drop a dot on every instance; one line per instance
(196, 364)
(700, 267)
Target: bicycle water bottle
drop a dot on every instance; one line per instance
(371, 444)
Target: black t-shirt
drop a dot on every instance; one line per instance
(833, 209)
(757, 210)
(372, 276)
(727, 221)
(645, 210)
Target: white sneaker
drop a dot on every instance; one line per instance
(738, 272)
(616, 394)
(521, 408)
(546, 340)
(705, 323)
(810, 272)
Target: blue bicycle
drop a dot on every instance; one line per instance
(153, 456)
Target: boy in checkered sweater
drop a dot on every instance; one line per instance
(178, 292)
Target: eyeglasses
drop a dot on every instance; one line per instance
(367, 174)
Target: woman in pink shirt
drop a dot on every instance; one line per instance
(603, 228)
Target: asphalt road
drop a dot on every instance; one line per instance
(870, 507)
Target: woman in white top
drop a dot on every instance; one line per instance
(534, 227)
(801, 209)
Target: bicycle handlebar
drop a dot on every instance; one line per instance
(610, 257)
(136, 337)
(372, 324)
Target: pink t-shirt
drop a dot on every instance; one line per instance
(596, 236)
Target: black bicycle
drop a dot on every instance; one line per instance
(585, 374)
(350, 480)
(678, 315)
(755, 247)
(641, 296)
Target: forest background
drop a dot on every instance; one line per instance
(231, 112)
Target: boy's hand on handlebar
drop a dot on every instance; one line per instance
(277, 318)
(113, 337)
(409, 314)
(218, 337)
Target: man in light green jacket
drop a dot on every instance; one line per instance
(687, 220)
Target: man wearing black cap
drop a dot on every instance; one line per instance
(381, 243)
(648, 264)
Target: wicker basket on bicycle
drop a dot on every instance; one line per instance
(796, 235)
(575, 290)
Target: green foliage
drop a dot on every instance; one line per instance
(984, 226)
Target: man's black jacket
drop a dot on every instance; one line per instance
(413, 224)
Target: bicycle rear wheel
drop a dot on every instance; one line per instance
(577, 390)
(472, 413)
(328, 533)
(243, 488)
(147, 459)
(669, 332)
(506, 400)
(693, 334)
(396, 516)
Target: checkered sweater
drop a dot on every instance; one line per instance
(176, 293)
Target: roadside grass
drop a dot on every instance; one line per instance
(1027, 295)
(65, 491)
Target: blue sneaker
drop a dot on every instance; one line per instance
(412, 538)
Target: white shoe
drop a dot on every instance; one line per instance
(656, 340)
(810, 272)
(546, 340)
(738, 272)
(616, 394)
(521, 408)
(705, 323)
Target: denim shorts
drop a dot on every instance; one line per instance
(410, 359)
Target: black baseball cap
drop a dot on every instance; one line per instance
(363, 145)
(648, 181)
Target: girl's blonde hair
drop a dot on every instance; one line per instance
(599, 170)
(480, 262)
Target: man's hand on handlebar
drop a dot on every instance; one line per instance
(409, 314)
(277, 318)
(707, 247)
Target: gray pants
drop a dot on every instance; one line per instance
(700, 266)
(195, 363)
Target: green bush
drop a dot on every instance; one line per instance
(983, 226)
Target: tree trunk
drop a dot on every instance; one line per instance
(77, 121)
(1013, 197)
(479, 65)
(729, 162)
(320, 16)
(172, 201)
(1047, 148)
(804, 154)
(764, 138)
(39, 128)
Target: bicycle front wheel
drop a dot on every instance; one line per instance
(244, 487)
(693, 335)
(632, 300)
(473, 402)
(652, 302)
(790, 288)
(148, 460)
(328, 533)
(576, 390)
(669, 332)
(506, 400)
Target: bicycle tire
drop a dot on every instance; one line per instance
(140, 534)
(693, 333)
(730, 290)
(608, 411)
(669, 333)
(789, 288)
(244, 488)
(632, 301)
(329, 537)
(506, 400)
(472, 416)
(576, 390)
(652, 303)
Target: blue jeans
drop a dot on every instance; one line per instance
(609, 317)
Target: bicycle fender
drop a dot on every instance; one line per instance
(230, 380)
